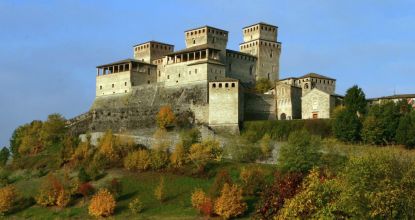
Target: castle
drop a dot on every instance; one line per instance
(212, 82)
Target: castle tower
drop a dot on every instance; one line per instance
(207, 36)
(260, 40)
(151, 50)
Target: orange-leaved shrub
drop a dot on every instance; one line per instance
(102, 204)
(202, 203)
(165, 117)
(230, 203)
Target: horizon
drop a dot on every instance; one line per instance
(50, 49)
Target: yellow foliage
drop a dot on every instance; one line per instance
(7, 198)
(160, 191)
(230, 203)
(137, 160)
(178, 157)
(107, 146)
(81, 152)
(63, 199)
(199, 198)
(252, 178)
(102, 204)
(165, 117)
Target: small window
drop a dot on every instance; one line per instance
(168, 76)
(100, 87)
(159, 73)
(233, 84)
(214, 85)
(220, 85)
(148, 81)
(179, 75)
(226, 85)
(125, 83)
(125, 91)
(195, 71)
(112, 85)
(194, 41)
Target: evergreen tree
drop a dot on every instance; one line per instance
(355, 100)
(347, 126)
(4, 156)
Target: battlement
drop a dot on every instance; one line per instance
(151, 50)
(261, 31)
(206, 35)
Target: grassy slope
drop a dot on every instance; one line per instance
(177, 205)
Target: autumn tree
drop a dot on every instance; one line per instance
(165, 117)
(252, 178)
(221, 178)
(7, 198)
(201, 202)
(102, 204)
(230, 203)
(178, 157)
(160, 191)
(201, 153)
(138, 160)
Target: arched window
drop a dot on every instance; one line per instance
(220, 85)
(226, 85)
(233, 84)
(214, 85)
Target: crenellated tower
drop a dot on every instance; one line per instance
(260, 40)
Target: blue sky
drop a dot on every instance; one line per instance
(49, 49)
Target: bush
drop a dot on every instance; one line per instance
(159, 159)
(63, 199)
(300, 153)
(178, 157)
(201, 153)
(221, 178)
(405, 133)
(102, 204)
(263, 85)
(252, 178)
(189, 137)
(138, 160)
(160, 191)
(135, 206)
(7, 198)
(347, 126)
(202, 203)
(51, 191)
(230, 203)
(165, 117)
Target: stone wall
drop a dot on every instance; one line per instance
(139, 108)
(259, 107)
(288, 100)
(240, 66)
(224, 103)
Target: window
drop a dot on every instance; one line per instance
(168, 76)
(271, 54)
(112, 85)
(148, 81)
(194, 41)
(100, 87)
(214, 85)
(233, 84)
(250, 70)
(125, 83)
(226, 85)
(195, 71)
(159, 73)
(220, 85)
(190, 72)
(179, 75)
(125, 91)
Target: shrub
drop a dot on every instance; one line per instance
(252, 178)
(230, 203)
(159, 159)
(184, 119)
(102, 204)
(135, 206)
(178, 157)
(165, 117)
(50, 190)
(202, 203)
(4, 156)
(138, 160)
(300, 153)
(160, 191)
(221, 178)
(347, 126)
(405, 133)
(189, 137)
(273, 196)
(63, 199)
(7, 198)
(263, 85)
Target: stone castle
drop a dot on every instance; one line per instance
(212, 84)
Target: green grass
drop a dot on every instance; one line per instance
(177, 205)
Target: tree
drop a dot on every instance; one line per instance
(189, 137)
(165, 117)
(347, 126)
(252, 178)
(178, 157)
(136, 206)
(300, 153)
(355, 100)
(160, 191)
(372, 131)
(102, 204)
(221, 178)
(7, 198)
(201, 153)
(53, 129)
(4, 156)
(405, 133)
(107, 146)
(263, 85)
(201, 202)
(230, 203)
(138, 160)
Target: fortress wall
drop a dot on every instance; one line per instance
(115, 83)
(145, 74)
(259, 107)
(240, 67)
(268, 60)
(139, 108)
(180, 74)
